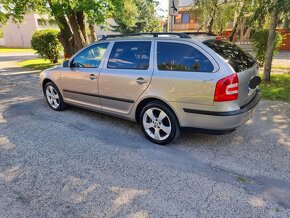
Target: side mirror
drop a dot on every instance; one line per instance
(65, 63)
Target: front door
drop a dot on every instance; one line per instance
(80, 81)
(126, 75)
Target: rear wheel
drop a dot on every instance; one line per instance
(159, 123)
(53, 97)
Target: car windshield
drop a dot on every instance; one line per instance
(234, 55)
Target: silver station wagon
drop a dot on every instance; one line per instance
(162, 81)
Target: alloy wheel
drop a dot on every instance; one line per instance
(157, 124)
(52, 97)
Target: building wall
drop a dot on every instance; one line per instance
(286, 39)
(2, 42)
(19, 35)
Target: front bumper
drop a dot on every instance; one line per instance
(219, 120)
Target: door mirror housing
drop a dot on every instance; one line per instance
(66, 63)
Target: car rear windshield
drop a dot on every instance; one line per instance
(234, 55)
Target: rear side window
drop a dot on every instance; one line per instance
(130, 55)
(235, 56)
(181, 57)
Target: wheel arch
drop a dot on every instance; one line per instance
(45, 81)
(146, 101)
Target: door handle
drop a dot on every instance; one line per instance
(92, 77)
(141, 81)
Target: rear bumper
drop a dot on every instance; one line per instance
(216, 120)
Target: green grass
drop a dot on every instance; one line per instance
(279, 67)
(11, 50)
(277, 89)
(36, 64)
(242, 179)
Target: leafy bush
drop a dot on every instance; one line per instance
(47, 45)
(1, 34)
(260, 40)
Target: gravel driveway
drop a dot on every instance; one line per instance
(79, 163)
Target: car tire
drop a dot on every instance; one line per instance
(53, 97)
(159, 123)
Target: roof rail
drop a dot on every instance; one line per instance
(180, 35)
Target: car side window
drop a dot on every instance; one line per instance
(130, 55)
(90, 57)
(181, 57)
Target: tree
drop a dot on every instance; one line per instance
(259, 41)
(136, 16)
(271, 43)
(276, 8)
(71, 16)
(214, 15)
(241, 13)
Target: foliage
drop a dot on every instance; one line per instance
(46, 44)
(214, 15)
(224, 15)
(278, 89)
(1, 33)
(260, 39)
(71, 16)
(137, 16)
(36, 64)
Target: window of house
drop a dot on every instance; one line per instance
(185, 18)
(181, 57)
(91, 57)
(130, 55)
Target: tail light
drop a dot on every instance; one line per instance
(227, 89)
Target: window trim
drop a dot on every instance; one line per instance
(111, 49)
(71, 60)
(194, 45)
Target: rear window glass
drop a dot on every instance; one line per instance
(181, 57)
(235, 56)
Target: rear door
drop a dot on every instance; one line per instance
(125, 75)
(184, 72)
(243, 64)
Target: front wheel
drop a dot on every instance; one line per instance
(53, 97)
(159, 123)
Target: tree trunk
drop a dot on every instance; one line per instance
(93, 32)
(79, 38)
(211, 22)
(236, 26)
(286, 23)
(271, 44)
(81, 21)
(66, 37)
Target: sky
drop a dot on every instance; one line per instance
(163, 4)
